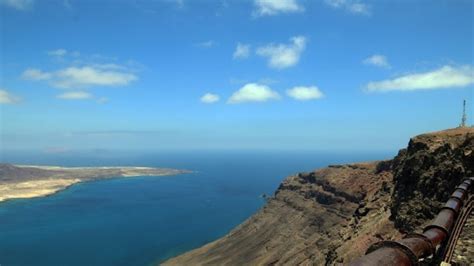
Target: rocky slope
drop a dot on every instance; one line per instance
(332, 215)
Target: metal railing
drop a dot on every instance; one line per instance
(414, 247)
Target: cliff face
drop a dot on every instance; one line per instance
(310, 215)
(427, 171)
(333, 214)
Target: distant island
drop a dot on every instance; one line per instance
(28, 181)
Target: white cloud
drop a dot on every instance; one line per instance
(206, 44)
(83, 77)
(444, 77)
(75, 95)
(7, 98)
(253, 92)
(108, 66)
(302, 93)
(283, 55)
(36, 74)
(275, 7)
(352, 6)
(377, 60)
(84, 72)
(210, 98)
(241, 51)
(18, 4)
(58, 52)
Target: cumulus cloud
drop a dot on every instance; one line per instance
(83, 73)
(18, 4)
(241, 51)
(302, 93)
(75, 95)
(58, 52)
(82, 77)
(253, 92)
(377, 60)
(352, 6)
(7, 98)
(36, 74)
(283, 55)
(210, 98)
(444, 77)
(275, 7)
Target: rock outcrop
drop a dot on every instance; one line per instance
(427, 171)
(332, 215)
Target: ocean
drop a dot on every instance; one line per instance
(145, 220)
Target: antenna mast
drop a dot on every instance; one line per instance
(464, 118)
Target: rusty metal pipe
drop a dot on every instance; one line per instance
(454, 204)
(459, 193)
(443, 221)
(413, 247)
(435, 235)
(464, 186)
(420, 245)
(388, 256)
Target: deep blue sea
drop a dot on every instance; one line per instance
(145, 220)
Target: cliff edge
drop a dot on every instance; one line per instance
(333, 214)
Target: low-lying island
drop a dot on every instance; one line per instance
(28, 181)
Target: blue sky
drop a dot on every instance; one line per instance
(263, 74)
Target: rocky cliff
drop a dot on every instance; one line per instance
(426, 172)
(333, 214)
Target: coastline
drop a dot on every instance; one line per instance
(332, 215)
(31, 181)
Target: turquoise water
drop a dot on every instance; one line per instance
(145, 220)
